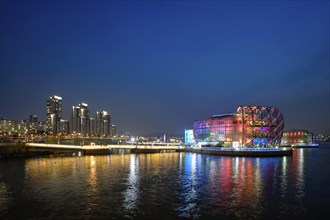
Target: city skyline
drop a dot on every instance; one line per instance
(159, 66)
(81, 122)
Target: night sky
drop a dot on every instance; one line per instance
(158, 66)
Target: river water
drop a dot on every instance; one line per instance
(167, 186)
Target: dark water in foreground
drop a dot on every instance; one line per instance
(167, 186)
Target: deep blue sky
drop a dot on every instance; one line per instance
(158, 66)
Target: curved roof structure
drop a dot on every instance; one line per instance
(263, 124)
(250, 126)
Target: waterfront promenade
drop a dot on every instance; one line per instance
(106, 147)
(32, 149)
(153, 148)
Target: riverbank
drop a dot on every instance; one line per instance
(22, 150)
(18, 150)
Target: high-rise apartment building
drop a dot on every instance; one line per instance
(113, 130)
(33, 119)
(64, 126)
(92, 126)
(53, 113)
(74, 119)
(7, 126)
(80, 119)
(103, 123)
(33, 124)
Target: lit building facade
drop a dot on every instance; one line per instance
(7, 126)
(297, 137)
(74, 119)
(80, 119)
(189, 136)
(13, 127)
(103, 123)
(92, 126)
(79, 123)
(64, 126)
(53, 113)
(113, 130)
(250, 126)
(34, 124)
(33, 118)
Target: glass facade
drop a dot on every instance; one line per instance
(222, 129)
(262, 125)
(250, 126)
(189, 136)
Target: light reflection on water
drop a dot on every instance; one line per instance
(92, 185)
(188, 193)
(5, 198)
(165, 186)
(132, 192)
(299, 160)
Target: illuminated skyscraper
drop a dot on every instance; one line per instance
(98, 120)
(113, 130)
(33, 124)
(84, 118)
(64, 126)
(103, 123)
(80, 119)
(74, 119)
(92, 129)
(33, 119)
(53, 112)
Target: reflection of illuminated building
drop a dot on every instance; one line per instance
(132, 192)
(92, 180)
(298, 165)
(188, 208)
(297, 137)
(239, 182)
(249, 126)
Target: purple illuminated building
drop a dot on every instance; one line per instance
(250, 126)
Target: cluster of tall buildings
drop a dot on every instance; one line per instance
(81, 121)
